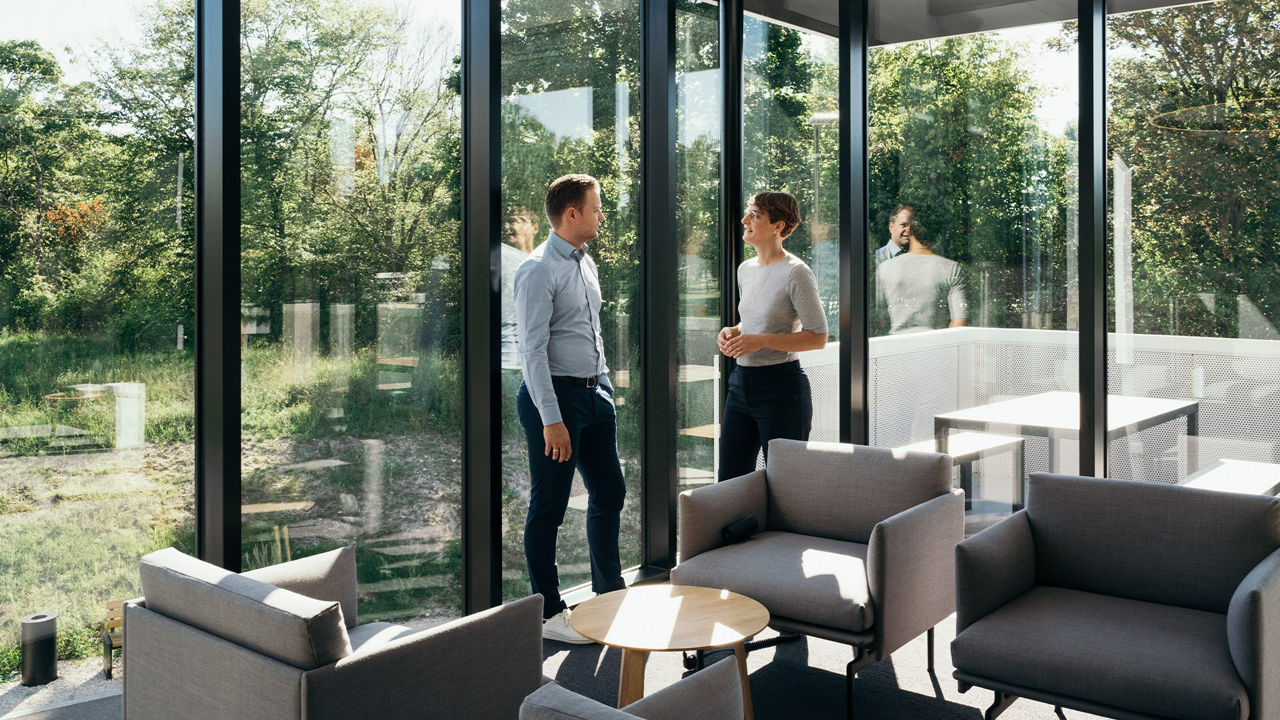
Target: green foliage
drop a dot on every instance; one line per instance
(1194, 116)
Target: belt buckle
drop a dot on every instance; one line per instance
(593, 382)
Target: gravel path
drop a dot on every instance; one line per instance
(77, 680)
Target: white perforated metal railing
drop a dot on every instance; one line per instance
(914, 377)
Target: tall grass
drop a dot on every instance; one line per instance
(72, 527)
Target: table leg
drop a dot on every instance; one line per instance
(1019, 475)
(1193, 431)
(740, 652)
(631, 676)
(940, 432)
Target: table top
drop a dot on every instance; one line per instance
(1060, 410)
(669, 617)
(1238, 476)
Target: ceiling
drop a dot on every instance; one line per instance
(895, 21)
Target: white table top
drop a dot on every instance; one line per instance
(1238, 476)
(1059, 410)
(669, 617)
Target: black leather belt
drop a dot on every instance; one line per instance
(589, 382)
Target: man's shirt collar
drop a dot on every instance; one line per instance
(566, 248)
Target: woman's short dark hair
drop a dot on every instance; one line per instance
(779, 206)
(568, 191)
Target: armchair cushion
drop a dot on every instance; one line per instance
(1143, 657)
(841, 491)
(326, 576)
(814, 579)
(295, 629)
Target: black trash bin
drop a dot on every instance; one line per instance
(39, 648)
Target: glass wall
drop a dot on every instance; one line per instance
(96, 308)
(351, 319)
(790, 143)
(571, 104)
(1193, 284)
(698, 113)
(973, 288)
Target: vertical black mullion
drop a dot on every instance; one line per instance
(1093, 215)
(217, 359)
(481, 285)
(854, 419)
(660, 262)
(730, 170)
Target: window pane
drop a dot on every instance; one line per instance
(351, 315)
(698, 84)
(1193, 300)
(790, 141)
(571, 104)
(96, 308)
(974, 300)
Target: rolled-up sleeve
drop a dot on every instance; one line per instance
(534, 303)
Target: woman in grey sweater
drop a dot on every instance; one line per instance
(781, 315)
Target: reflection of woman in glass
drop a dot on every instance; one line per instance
(781, 315)
(920, 288)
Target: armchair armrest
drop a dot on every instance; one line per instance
(327, 576)
(910, 567)
(712, 694)
(993, 567)
(705, 510)
(479, 666)
(1253, 636)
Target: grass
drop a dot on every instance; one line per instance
(73, 526)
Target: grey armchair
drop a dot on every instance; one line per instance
(712, 694)
(283, 642)
(856, 545)
(1124, 599)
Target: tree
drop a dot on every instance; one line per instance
(1194, 116)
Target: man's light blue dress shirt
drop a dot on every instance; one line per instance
(558, 316)
(886, 251)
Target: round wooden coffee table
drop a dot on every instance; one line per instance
(650, 618)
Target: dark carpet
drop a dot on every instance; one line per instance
(804, 678)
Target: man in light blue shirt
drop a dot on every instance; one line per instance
(899, 233)
(565, 403)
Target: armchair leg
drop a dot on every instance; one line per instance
(861, 659)
(929, 639)
(849, 674)
(1001, 703)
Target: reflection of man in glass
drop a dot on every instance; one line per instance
(917, 284)
(565, 403)
(899, 233)
(522, 227)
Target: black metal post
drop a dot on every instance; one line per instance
(730, 171)
(218, 327)
(1093, 239)
(854, 364)
(660, 261)
(481, 306)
